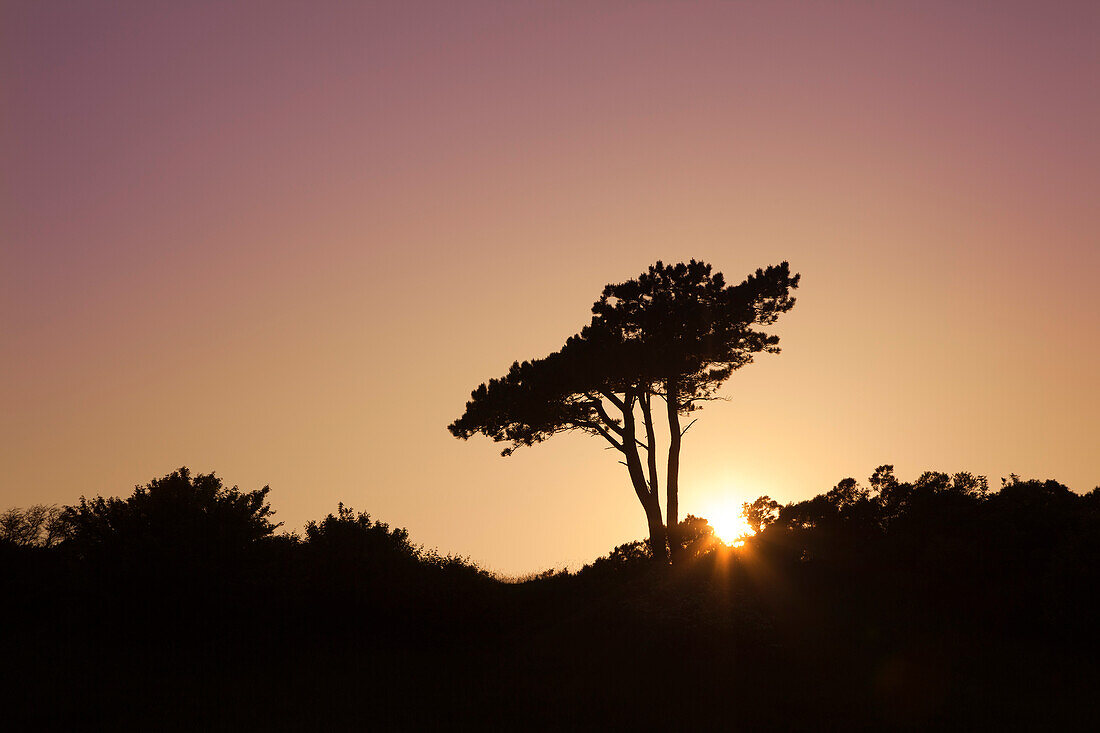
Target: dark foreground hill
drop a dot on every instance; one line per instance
(920, 606)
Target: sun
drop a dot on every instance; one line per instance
(729, 526)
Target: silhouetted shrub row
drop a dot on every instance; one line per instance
(896, 605)
(1026, 554)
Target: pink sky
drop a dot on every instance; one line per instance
(282, 242)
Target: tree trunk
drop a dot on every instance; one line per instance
(658, 536)
(672, 478)
(651, 501)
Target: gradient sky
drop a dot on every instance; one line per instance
(283, 241)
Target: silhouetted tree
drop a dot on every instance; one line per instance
(760, 513)
(676, 332)
(39, 525)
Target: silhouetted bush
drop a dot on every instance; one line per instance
(176, 517)
(355, 538)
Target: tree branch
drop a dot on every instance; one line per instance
(598, 404)
(621, 404)
(599, 429)
(616, 444)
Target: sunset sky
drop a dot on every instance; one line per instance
(283, 241)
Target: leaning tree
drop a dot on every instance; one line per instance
(675, 333)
